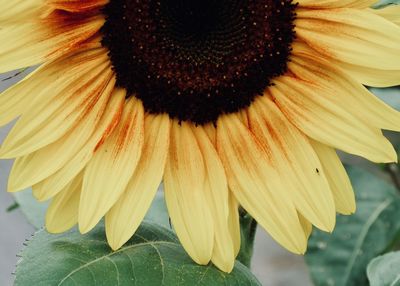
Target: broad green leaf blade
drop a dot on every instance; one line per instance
(341, 258)
(385, 270)
(153, 257)
(33, 210)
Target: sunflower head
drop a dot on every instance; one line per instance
(229, 103)
(196, 60)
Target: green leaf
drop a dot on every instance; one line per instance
(385, 270)
(383, 3)
(341, 258)
(33, 210)
(152, 257)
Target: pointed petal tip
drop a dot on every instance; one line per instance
(4, 153)
(327, 221)
(85, 226)
(349, 210)
(52, 227)
(39, 195)
(226, 267)
(225, 263)
(42, 195)
(299, 249)
(12, 189)
(330, 225)
(10, 151)
(391, 156)
(201, 260)
(115, 241)
(114, 244)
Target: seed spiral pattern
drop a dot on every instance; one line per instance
(196, 60)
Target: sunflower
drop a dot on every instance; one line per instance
(230, 103)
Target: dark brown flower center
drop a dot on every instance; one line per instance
(196, 60)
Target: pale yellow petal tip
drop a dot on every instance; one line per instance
(114, 241)
(201, 260)
(39, 195)
(225, 264)
(298, 249)
(12, 189)
(114, 245)
(3, 153)
(7, 153)
(85, 226)
(392, 156)
(53, 227)
(226, 267)
(328, 222)
(349, 210)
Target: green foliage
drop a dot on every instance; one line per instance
(32, 209)
(341, 258)
(248, 229)
(384, 3)
(12, 207)
(385, 270)
(152, 257)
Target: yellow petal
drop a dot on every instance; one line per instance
(56, 182)
(391, 13)
(307, 226)
(353, 36)
(370, 76)
(63, 105)
(256, 184)
(22, 96)
(339, 181)
(296, 163)
(37, 166)
(112, 166)
(211, 133)
(345, 92)
(31, 43)
(234, 223)
(312, 107)
(62, 213)
(365, 75)
(184, 182)
(216, 193)
(18, 11)
(128, 212)
(330, 4)
(76, 6)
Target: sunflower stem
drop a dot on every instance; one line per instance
(394, 173)
(248, 226)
